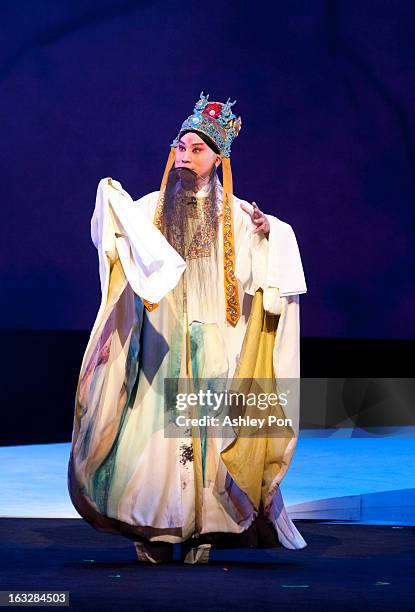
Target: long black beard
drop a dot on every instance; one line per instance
(180, 210)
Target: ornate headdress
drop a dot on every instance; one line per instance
(215, 120)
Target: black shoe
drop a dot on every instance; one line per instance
(154, 552)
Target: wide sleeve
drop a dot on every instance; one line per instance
(122, 230)
(285, 268)
(272, 264)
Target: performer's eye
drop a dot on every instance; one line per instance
(181, 148)
(198, 149)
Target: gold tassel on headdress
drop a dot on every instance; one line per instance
(159, 209)
(233, 311)
(232, 306)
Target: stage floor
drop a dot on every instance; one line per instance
(344, 477)
(344, 567)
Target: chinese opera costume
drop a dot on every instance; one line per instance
(188, 291)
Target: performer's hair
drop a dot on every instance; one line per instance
(205, 139)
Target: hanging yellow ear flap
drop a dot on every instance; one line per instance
(157, 220)
(233, 311)
(169, 164)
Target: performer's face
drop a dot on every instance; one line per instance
(194, 154)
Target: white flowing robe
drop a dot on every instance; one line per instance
(151, 483)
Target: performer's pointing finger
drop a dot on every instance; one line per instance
(257, 213)
(247, 210)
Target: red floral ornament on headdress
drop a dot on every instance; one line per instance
(212, 109)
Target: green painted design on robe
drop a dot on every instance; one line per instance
(102, 478)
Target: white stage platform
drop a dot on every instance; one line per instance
(341, 475)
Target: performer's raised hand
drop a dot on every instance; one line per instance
(258, 218)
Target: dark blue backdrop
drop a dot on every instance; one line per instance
(325, 89)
